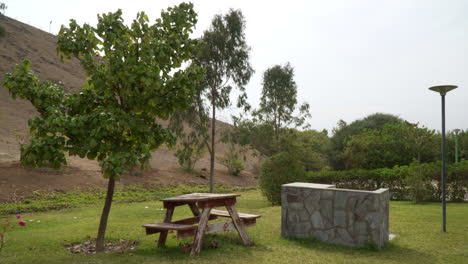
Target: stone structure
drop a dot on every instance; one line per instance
(340, 216)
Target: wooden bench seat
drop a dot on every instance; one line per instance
(159, 227)
(187, 227)
(242, 216)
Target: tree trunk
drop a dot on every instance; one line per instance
(213, 131)
(105, 215)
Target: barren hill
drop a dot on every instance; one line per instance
(24, 41)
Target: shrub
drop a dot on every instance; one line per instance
(188, 153)
(277, 170)
(404, 182)
(231, 160)
(419, 182)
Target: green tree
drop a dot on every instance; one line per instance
(3, 7)
(134, 76)
(279, 169)
(396, 143)
(224, 55)
(310, 146)
(343, 132)
(279, 101)
(462, 146)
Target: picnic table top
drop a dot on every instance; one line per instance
(197, 197)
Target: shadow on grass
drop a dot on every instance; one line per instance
(228, 245)
(390, 251)
(251, 204)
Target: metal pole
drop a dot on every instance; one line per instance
(444, 210)
(456, 146)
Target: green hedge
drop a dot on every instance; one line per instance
(396, 179)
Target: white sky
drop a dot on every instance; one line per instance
(351, 58)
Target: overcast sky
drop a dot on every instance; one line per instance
(351, 58)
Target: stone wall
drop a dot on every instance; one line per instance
(340, 216)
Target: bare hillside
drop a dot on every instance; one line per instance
(23, 41)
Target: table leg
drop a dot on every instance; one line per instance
(194, 209)
(197, 242)
(167, 219)
(239, 225)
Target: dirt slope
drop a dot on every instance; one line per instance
(23, 41)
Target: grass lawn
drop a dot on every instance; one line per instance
(418, 229)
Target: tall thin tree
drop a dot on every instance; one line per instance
(224, 55)
(279, 101)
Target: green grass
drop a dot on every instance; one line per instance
(418, 229)
(39, 201)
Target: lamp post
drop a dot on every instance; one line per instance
(456, 144)
(443, 90)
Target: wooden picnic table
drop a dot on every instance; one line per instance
(197, 226)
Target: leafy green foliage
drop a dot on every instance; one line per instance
(256, 135)
(462, 145)
(113, 118)
(279, 101)
(279, 169)
(3, 7)
(188, 154)
(418, 179)
(135, 75)
(309, 146)
(223, 53)
(343, 132)
(232, 161)
(424, 180)
(397, 143)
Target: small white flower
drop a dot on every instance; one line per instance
(30, 220)
(146, 207)
(75, 217)
(38, 221)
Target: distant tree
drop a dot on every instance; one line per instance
(311, 147)
(193, 138)
(258, 136)
(395, 144)
(343, 132)
(224, 55)
(279, 101)
(3, 7)
(134, 76)
(462, 146)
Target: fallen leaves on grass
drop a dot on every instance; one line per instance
(89, 246)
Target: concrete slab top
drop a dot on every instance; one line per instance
(309, 185)
(331, 187)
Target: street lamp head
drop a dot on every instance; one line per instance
(443, 89)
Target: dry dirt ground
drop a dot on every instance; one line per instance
(16, 181)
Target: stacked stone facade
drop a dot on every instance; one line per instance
(339, 216)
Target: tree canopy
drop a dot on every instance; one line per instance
(135, 75)
(224, 55)
(343, 132)
(279, 101)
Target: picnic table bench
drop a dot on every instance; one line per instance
(197, 226)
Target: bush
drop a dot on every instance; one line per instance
(278, 170)
(232, 161)
(419, 182)
(188, 153)
(404, 182)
